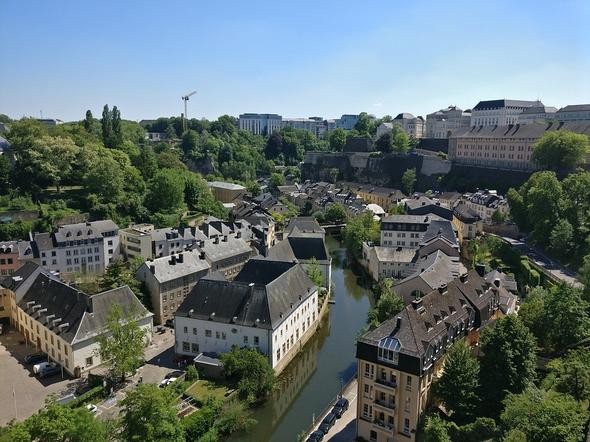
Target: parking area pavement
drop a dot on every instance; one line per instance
(22, 393)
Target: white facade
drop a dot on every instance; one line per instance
(260, 124)
(499, 112)
(441, 123)
(575, 112)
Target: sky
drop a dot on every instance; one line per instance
(298, 59)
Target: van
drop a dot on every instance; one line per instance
(37, 368)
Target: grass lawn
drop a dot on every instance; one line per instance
(202, 389)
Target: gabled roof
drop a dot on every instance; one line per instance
(404, 116)
(575, 108)
(300, 246)
(252, 299)
(465, 214)
(169, 268)
(440, 229)
(305, 224)
(498, 104)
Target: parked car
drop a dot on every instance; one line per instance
(34, 358)
(50, 370)
(174, 374)
(316, 436)
(37, 368)
(167, 382)
(1, 328)
(327, 423)
(92, 408)
(340, 407)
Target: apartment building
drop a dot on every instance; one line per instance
(260, 124)
(413, 126)
(136, 240)
(574, 112)
(347, 121)
(79, 248)
(537, 114)
(62, 321)
(467, 222)
(399, 360)
(383, 196)
(169, 279)
(442, 123)
(485, 203)
(271, 306)
(405, 231)
(506, 147)
(499, 112)
(14, 254)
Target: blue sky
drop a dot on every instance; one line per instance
(301, 58)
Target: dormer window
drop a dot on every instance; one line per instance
(68, 234)
(89, 232)
(388, 350)
(79, 233)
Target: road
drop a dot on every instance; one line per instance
(539, 258)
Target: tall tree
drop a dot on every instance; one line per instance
(584, 273)
(107, 125)
(435, 430)
(560, 149)
(508, 361)
(88, 121)
(166, 191)
(384, 143)
(571, 374)
(53, 159)
(561, 238)
(532, 314)
(252, 370)
(5, 174)
(117, 130)
(189, 142)
(459, 383)
(147, 162)
(400, 140)
(315, 272)
(409, 181)
(149, 415)
(337, 140)
(388, 303)
(121, 348)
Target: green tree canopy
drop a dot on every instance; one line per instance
(388, 303)
(337, 140)
(358, 230)
(166, 191)
(571, 374)
(409, 181)
(251, 370)
(563, 149)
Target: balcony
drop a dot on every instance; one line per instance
(382, 425)
(386, 383)
(385, 404)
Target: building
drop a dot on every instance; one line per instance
(156, 137)
(270, 203)
(399, 360)
(62, 321)
(79, 248)
(304, 224)
(169, 279)
(441, 123)
(422, 205)
(537, 114)
(499, 112)
(506, 147)
(466, 222)
(227, 192)
(270, 306)
(449, 199)
(136, 241)
(413, 126)
(383, 196)
(316, 125)
(574, 112)
(14, 254)
(347, 121)
(406, 231)
(225, 254)
(260, 124)
(485, 203)
(50, 121)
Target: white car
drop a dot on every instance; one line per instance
(167, 382)
(37, 368)
(92, 408)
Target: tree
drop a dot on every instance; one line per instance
(88, 121)
(197, 424)
(508, 361)
(166, 191)
(544, 416)
(435, 430)
(409, 181)
(458, 386)
(335, 213)
(121, 347)
(337, 139)
(388, 304)
(53, 159)
(147, 162)
(234, 418)
(400, 140)
(170, 132)
(314, 272)
(276, 180)
(149, 415)
(105, 178)
(252, 371)
(584, 274)
(253, 188)
(532, 313)
(561, 238)
(558, 150)
(5, 174)
(498, 217)
(106, 125)
(571, 374)
(358, 230)
(274, 146)
(384, 143)
(198, 196)
(189, 142)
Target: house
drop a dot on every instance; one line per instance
(225, 254)
(62, 321)
(422, 205)
(271, 306)
(304, 224)
(467, 222)
(413, 126)
(574, 112)
(400, 359)
(485, 203)
(449, 199)
(14, 254)
(79, 248)
(441, 123)
(404, 230)
(271, 204)
(384, 196)
(169, 279)
(227, 192)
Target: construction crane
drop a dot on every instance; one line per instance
(185, 117)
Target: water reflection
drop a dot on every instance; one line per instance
(314, 377)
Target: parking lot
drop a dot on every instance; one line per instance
(22, 393)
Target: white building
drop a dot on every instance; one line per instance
(485, 203)
(574, 112)
(271, 306)
(405, 231)
(260, 124)
(441, 123)
(537, 114)
(499, 112)
(413, 126)
(62, 321)
(79, 248)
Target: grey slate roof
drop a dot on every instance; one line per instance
(225, 249)
(305, 224)
(440, 229)
(575, 108)
(465, 214)
(44, 241)
(497, 104)
(168, 268)
(78, 231)
(531, 131)
(300, 246)
(249, 303)
(404, 116)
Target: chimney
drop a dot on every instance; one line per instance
(190, 313)
(202, 255)
(417, 303)
(180, 258)
(202, 243)
(398, 322)
(173, 260)
(463, 278)
(153, 269)
(480, 269)
(216, 240)
(239, 234)
(497, 282)
(442, 289)
(224, 238)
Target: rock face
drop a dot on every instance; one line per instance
(203, 166)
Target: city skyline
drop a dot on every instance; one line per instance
(313, 60)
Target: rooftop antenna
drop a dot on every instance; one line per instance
(185, 98)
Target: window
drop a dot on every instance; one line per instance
(245, 339)
(223, 336)
(194, 348)
(217, 335)
(186, 346)
(278, 354)
(406, 425)
(194, 330)
(367, 390)
(185, 329)
(409, 383)
(89, 361)
(407, 404)
(208, 333)
(256, 340)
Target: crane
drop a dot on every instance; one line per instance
(185, 99)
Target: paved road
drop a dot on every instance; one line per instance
(538, 257)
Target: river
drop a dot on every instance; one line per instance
(314, 377)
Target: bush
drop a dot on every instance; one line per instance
(91, 394)
(192, 374)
